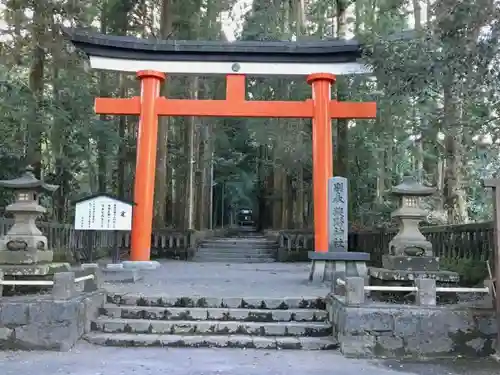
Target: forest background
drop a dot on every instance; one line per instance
(436, 89)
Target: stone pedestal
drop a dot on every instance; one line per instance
(333, 265)
(116, 273)
(409, 263)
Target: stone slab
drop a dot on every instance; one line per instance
(402, 275)
(26, 257)
(121, 275)
(213, 313)
(212, 327)
(392, 330)
(34, 269)
(407, 263)
(342, 256)
(217, 341)
(158, 300)
(141, 265)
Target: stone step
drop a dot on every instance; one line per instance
(235, 252)
(214, 327)
(241, 241)
(224, 314)
(233, 260)
(238, 250)
(217, 341)
(231, 256)
(242, 246)
(303, 302)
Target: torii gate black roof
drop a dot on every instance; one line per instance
(131, 48)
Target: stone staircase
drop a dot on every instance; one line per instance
(245, 248)
(283, 323)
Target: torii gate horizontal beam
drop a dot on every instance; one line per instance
(234, 108)
(235, 105)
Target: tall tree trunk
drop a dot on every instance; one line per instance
(161, 183)
(191, 157)
(36, 83)
(340, 159)
(102, 143)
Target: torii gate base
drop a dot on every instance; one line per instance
(150, 105)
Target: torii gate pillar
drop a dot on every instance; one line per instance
(145, 168)
(322, 155)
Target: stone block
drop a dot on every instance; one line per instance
(486, 324)
(141, 265)
(34, 269)
(14, 314)
(26, 257)
(48, 312)
(357, 346)
(354, 290)
(406, 324)
(94, 284)
(264, 342)
(360, 321)
(409, 263)
(429, 344)
(385, 274)
(64, 285)
(121, 275)
(5, 335)
(288, 343)
(49, 337)
(389, 346)
(426, 292)
(317, 343)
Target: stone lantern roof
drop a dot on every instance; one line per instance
(410, 187)
(28, 181)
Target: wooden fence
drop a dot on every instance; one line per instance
(468, 241)
(86, 245)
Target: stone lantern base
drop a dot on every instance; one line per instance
(25, 271)
(17, 248)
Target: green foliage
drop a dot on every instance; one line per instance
(472, 272)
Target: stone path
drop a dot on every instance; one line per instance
(90, 360)
(180, 278)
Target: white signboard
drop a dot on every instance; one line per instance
(337, 214)
(103, 213)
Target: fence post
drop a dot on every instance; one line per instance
(426, 292)
(94, 284)
(64, 285)
(1, 285)
(354, 290)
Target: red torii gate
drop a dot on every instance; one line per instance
(321, 109)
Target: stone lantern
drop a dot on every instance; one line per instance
(410, 241)
(24, 244)
(410, 254)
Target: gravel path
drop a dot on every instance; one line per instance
(89, 360)
(180, 278)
